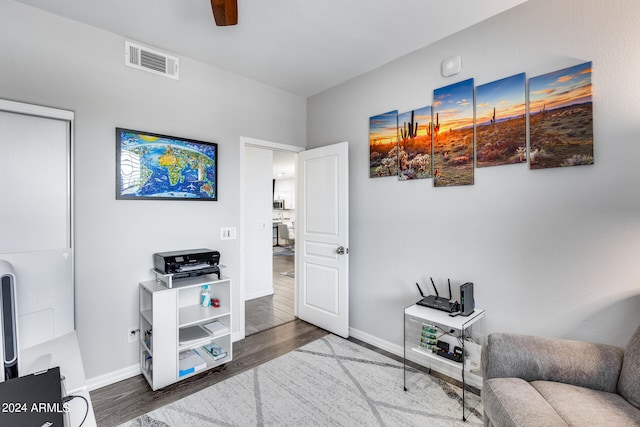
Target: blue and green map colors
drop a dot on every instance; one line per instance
(163, 167)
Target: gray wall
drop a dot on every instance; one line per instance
(551, 252)
(56, 62)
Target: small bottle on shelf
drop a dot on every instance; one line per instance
(205, 296)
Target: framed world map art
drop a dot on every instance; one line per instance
(160, 167)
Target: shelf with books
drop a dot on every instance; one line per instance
(218, 328)
(180, 327)
(203, 356)
(190, 362)
(215, 350)
(196, 335)
(146, 364)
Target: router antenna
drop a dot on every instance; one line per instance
(449, 281)
(434, 287)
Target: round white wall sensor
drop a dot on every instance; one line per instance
(451, 66)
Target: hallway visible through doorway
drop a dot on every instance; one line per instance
(273, 310)
(269, 239)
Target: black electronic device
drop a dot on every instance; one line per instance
(436, 301)
(188, 263)
(8, 317)
(467, 303)
(456, 356)
(442, 345)
(33, 400)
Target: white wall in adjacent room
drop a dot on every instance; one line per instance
(258, 228)
(52, 61)
(551, 252)
(285, 189)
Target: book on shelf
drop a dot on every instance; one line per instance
(215, 351)
(216, 328)
(190, 361)
(191, 333)
(147, 361)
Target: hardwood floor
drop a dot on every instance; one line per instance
(133, 397)
(273, 310)
(271, 330)
(128, 399)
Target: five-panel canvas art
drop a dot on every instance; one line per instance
(437, 141)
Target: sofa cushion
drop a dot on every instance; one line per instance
(514, 402)
(579, 406)
(629, 381)
(532, 358)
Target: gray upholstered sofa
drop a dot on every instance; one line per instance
(538, 382)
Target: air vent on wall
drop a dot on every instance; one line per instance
(150, 60)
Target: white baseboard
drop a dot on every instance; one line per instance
(375, 341)
(398, 350)
(113, 377)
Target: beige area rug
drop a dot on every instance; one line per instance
(329, 382)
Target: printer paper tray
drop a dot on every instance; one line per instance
(170, 280)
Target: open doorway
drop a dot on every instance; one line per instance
(269, 270)
(321, 226)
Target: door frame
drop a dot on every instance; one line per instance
(268, 145)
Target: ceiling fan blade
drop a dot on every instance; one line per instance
(225, 12)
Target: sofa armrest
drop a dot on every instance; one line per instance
(596, 366)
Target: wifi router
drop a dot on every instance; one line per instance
(436, 301)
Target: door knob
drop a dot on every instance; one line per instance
(341, 250)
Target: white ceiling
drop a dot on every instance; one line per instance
(284, 165)
(301, 46)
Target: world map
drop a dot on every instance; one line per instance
(156, 167)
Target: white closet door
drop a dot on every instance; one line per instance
(36, 217)
(34, 177)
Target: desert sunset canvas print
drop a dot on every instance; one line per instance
(561, 118)
(383, 144)
(453, 152)
(414, 143)
(501, 129)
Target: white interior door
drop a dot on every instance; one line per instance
(322, 241)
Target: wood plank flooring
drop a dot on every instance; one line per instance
(125, 400)
(273, 310)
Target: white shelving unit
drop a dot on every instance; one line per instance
(165, 311)
(452, 330)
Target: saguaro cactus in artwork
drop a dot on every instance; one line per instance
(493, 119)
(433, 129)
(410, 130)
